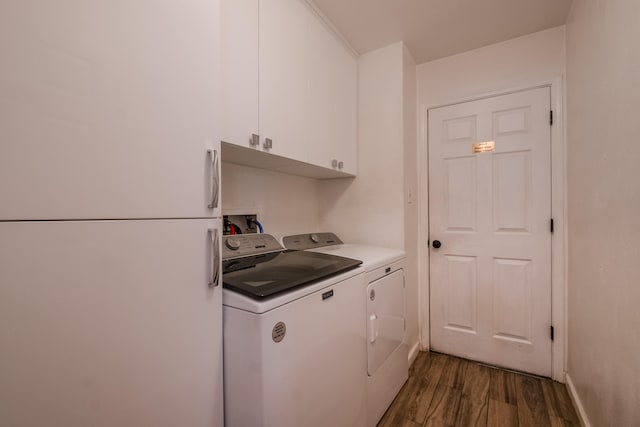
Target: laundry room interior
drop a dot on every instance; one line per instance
(458, 180)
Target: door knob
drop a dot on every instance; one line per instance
(436, 244)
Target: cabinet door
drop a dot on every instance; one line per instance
(110, 323)
(333, 110)
(240, 71)
(107, 108)
(284, 77)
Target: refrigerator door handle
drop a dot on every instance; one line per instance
(215, 258)
(215, 180)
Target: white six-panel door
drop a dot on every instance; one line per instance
(108, 108)
(491, 277)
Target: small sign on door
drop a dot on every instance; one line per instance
(483, 147)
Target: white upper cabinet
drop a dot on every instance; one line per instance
(333, 110)
(107, 109)
(284, 84)
(289, 80)
(240, 72)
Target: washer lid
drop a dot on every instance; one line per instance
(265, 275)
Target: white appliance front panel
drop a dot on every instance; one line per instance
(385, 318)
(109, 323)
(243, 302)
(315, 376)
(108, 109)
(383, 387)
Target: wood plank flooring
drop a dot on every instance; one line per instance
(444, 390)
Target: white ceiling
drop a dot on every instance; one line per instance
(434, 29)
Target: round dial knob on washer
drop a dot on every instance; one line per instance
(314, 238)
(233, 244)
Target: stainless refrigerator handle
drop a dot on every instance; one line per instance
(215, 258)
(215, 180)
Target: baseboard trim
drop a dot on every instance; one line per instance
(413, 352)
(577, 403)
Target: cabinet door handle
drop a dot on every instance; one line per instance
(334, 163)
(268, 143)
(254, 140)
(215, 179)
(340, 165)
(214, 281)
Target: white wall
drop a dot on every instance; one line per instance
(410, 147)
(285, 204)
(371, 207)
(519, 63)
(603, 152)
(514, 64)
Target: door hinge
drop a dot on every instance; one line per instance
(551, 331)
(551, 225)
(550, 117)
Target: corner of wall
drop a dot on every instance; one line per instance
(603, 99)
(577, 403)
(411, 196)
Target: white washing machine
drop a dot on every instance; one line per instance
(294, 341)
(387, 352)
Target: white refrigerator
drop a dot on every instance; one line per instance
(110, 287)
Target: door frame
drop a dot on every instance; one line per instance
(558, 210)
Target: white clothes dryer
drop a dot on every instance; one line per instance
(387, 352)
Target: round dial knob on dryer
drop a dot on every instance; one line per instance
(232, 244)
(314, 238)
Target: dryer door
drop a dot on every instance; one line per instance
(385, 318)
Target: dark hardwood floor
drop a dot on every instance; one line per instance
(448, 391)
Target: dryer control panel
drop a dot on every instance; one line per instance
(301, 242)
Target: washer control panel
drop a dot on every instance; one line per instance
(241, 245)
